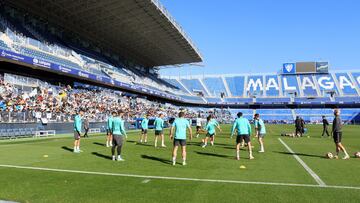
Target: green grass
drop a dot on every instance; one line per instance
(218, 162)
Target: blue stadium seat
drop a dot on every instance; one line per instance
(215, 86)
(194, 85)
(50, 58)
(254, 85)
(308, 85)
(238, 100)
(326, 83)
(290, 84)
(272, 87)
(176, 84)
(273, 111)
(346, 84)
(317, 100)
(192, 98)
(279, 100)
(213, 100)
(236, 85)
(354, 99)
(3, 45)
(356, 76)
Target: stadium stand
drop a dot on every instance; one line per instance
(236, 85)
(33, 40)
(195, 86)
(26, 39)
(215, 86)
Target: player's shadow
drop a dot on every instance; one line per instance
(144, 144)
(193, 143)
(131, 141)
(214, 155)
(100, 144)
(300, 154)
(165, 161)
(67, 148)
(225, 145)
(101, 155)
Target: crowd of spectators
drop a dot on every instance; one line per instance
(60, 104)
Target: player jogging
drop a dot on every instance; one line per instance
(260, 131)
(243, 128)
(118, 133)
(108, 129)
(178, 128)
(217, 125)
(144, 129)
(210, 131)
(337, 134)
(77, 131)
(159, 130)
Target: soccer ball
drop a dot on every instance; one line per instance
(357, 154)
(329, 155)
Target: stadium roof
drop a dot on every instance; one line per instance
(140, 30)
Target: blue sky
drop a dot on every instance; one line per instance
(252, 36)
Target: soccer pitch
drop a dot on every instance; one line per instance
(46, 170)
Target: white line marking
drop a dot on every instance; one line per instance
(182, 179)
(303, 164)
(146, 181)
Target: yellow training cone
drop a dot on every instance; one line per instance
(242, 167)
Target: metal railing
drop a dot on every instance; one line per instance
(32, 116)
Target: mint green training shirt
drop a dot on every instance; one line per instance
(259, 124)
(242, 125)
(118, 127)
(181, 125)
(210, 127)
(145, 124)
(159, 124)
(77, 123)
(109, 123)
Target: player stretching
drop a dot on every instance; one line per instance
(118, 133)
(108, 129)
(243, 128)
(260, 130)
(178, 128)
(337, 134)
(144, 129)
(159, 130)
(210, 129)
(77, 131)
